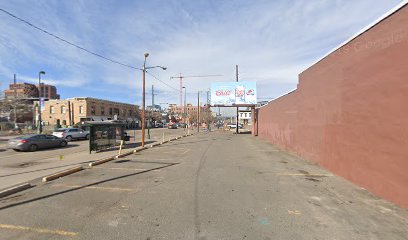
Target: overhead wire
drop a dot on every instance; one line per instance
(66, 41)
(83, 48)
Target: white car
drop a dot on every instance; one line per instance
(234, 125)
(71, 133)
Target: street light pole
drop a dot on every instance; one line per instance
(185, 110)
(198, 112)
(39, 102)
(144, 94)
(143, 98)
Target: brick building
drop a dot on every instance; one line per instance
(75, 110)
(48, 91)
(189, 110)
(21, 91)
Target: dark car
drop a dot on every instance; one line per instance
(36, 141)
(173, 126)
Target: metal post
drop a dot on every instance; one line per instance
(181, 92)
(69, 114)
(143, 100)
(185, 105)
(39, 102)
(198, 112)
(15, 103)
(236, 73)
(152, 97)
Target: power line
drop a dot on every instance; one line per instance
(68, 42)
(81, 48)
(168, 85)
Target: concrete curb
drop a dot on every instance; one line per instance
(15, 189)
(155, 144)
(62, 174)
(125, 154)
(104, 160)
(138, 149)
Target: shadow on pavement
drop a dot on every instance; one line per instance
(78, 188)
(126, 146)
(38, 170)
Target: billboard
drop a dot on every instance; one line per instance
(233, 93)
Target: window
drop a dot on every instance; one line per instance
(74, 130)
(245, 114)
(50, 137)
(102, 110)
(92, 109)
(81, 109)
(62, 109)
(51, 109)
(110, 111)
(64, 122)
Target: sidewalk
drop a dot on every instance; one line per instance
(14, 176)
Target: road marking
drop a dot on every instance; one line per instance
(39, 230)
(128, 169)
(304, 174)
(96, 188)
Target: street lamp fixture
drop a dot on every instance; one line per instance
(39, 102)
(144, 94)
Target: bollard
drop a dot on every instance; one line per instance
(120, 147)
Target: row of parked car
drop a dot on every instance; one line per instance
(59, 138)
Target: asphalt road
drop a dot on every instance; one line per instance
(19, 167)
(210, 186)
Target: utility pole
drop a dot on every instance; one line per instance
(181, 84)
(208, 110)
(39, 102)
(236, 73)
(15, 102)
(153, 97)
(198, 112)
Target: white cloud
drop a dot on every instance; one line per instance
(271, 41)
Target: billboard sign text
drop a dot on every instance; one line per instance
(233, 93)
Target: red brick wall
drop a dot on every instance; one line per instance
(350, 111)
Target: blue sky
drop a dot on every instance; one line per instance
(271, 41)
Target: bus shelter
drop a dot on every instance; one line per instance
(104, 134)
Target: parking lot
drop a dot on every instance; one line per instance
(18, 167)
(202, 187)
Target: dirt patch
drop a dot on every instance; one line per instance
(313, 179)
(303, 171)
(24, 165)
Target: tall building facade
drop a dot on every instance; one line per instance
(48, 91)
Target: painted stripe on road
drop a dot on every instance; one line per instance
(38, 230)
(96, 188)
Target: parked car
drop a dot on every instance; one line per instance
(34, 142)
(173, 126)
(234, 125)
(71, 133)
(182, 125)
(158, 125)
